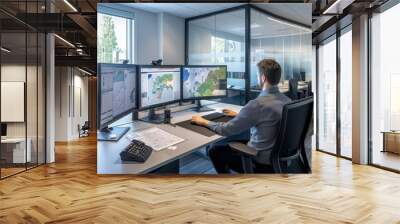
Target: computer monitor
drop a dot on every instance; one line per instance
(3, 130)
(204, 82)
(117, 97)
(159, 86)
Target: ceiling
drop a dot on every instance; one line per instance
(299, 12)
(234, 22)
(184, 10)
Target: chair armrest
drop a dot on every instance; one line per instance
(243, 148)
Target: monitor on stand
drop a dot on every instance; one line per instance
(159, 86)
(204, 82)
(117, 97)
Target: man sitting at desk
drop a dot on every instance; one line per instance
(261, 116)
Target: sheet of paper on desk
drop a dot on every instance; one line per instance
(156, 138)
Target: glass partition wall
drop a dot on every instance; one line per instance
(327, 79)
(334, 94)
(220, 40)
(385, 89)
(242, 36)
(289, 44)
(22, 76)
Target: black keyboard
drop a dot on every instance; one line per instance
(214, 116)
(136, 151)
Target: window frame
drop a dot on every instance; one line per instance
(116, 11)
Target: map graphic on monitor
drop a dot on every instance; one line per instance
(118, 91)
(204, 81)
(159, 85)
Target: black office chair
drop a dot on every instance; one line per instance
(288, 155)
(84, 130)
(293, 89)
(309, 88)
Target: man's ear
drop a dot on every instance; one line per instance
(263, 78)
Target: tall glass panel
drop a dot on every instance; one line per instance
(326, 136)
(346, 92)
(385, 89)
(288, 44)
(220, 39)
(32, 98)
(22, 90)
(41, 79)
(13, 86)
(114, 39)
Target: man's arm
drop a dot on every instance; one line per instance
(244, 120)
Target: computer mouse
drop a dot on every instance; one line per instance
(113, 136)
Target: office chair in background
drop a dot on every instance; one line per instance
(84, 130)
(288, 154)
(293, 89)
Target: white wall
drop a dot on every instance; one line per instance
(70, 83)
(171, 39)
(157, 35)
(146, 34)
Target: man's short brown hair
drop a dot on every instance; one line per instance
(271, 70)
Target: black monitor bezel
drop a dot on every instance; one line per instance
(203, 97)
(140, 107)
(106, 124)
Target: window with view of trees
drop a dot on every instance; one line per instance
(115, 39)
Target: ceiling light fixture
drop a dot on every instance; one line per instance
(86, 72)
(337, 7)
(5, 50)
(70, 5)
(64, 40)
(290, 24)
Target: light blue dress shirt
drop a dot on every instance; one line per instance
(261, 115)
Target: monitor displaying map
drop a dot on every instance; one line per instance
(159, 85)
(117, 91)
(204, 81)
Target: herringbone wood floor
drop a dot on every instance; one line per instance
(70, 191)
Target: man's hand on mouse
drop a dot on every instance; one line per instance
(229, 113)
(199, 120)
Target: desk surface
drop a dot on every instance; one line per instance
(108, 159)
(14, 140)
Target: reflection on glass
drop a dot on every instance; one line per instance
(385, 84)
(288, 44)
(220, 39)
(13, 82)
(346, 94)
(327, 96)
(41, 150)
(31, 98)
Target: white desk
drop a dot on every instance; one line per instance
(18, 149)
(108, 159)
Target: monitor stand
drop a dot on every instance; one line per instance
(153, 118)
(200, 108)
(112, 133)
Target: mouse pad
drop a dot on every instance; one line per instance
(200, 129)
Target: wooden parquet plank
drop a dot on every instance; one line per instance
(70, 191)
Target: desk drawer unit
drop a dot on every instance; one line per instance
(15, 153)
